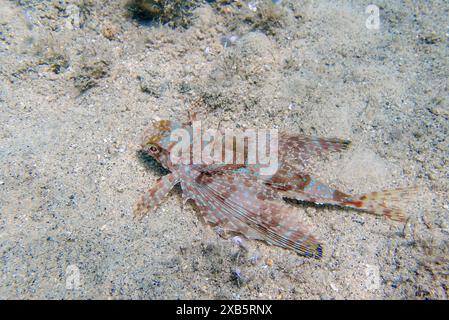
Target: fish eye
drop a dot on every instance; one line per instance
(153, 149)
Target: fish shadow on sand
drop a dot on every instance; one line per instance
(152, 165)
(305, 204)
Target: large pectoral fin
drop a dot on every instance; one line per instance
(242, 204)
(153, 197)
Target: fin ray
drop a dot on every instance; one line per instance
(385, 203)
(253, 210)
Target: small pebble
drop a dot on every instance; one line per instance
(156, 283)
(229, 40)
(236, 276)
(254, 260)
(109, 31)
(252, 6)
(238, 241)
(293, 106)
(334, 287)
(269, 262)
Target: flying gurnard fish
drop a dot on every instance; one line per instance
(236, 198)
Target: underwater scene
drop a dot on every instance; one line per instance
(224, 150)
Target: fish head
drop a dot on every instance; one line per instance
(157, 142)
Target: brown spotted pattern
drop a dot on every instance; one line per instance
(154, 196)
(237, 199)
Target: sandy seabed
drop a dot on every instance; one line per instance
(81, 80)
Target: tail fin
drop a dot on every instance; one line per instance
(384, 203)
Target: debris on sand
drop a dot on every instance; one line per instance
(175, 13)
(89, 73)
